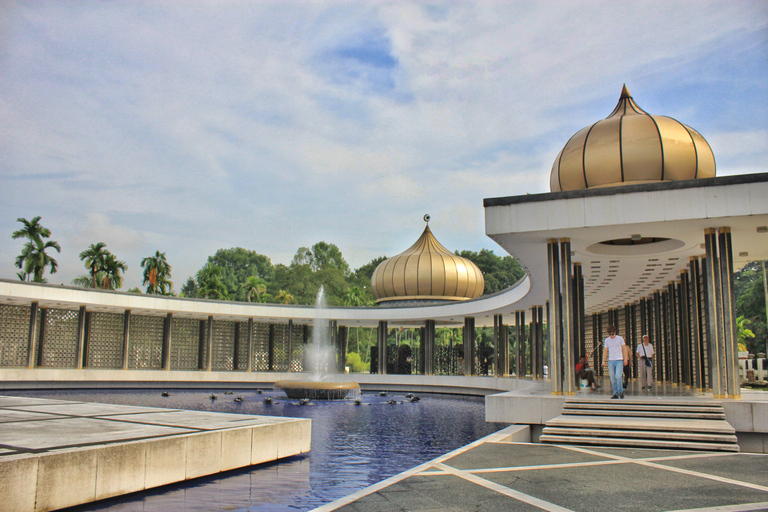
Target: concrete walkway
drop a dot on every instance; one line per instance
(495, 474)
(56, 454)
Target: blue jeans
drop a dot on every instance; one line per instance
(616, 371)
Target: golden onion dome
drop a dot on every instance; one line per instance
(426, 273)
(631, 146)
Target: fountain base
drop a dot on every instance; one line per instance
(316, 390)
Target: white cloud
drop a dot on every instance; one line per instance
(186, 127)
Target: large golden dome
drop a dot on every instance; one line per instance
(426, 273)
(628, 147)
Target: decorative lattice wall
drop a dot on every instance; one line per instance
(242, 346)
(146, 342)
(260, 347)
(185, 343)
(60, 338)
(14, 335)
(281, 347)
(105, 340)
(297, 351)
(223, 345)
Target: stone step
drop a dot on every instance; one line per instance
(646, 401)
(639, 443)
(642, 407)
(641, 434)
(644, 414)
(640, 423)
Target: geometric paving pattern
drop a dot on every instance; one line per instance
(492, 474)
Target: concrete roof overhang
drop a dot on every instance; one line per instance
(20, 293)
(616, 275)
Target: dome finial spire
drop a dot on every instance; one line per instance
(625, 92)
(426, 218)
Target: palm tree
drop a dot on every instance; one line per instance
(354, 297)
(33, 258)
(83, 281)
(111, 272)
(32, 230)
(283, 297)
(157, 271)
(94, 257)
(254, 286)
(211, 284)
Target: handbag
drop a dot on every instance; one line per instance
(648, 360)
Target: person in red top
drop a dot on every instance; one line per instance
(584, 372)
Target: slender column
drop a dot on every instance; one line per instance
(80, 342)
(696, 327)
(165, 356)
(730, 339)
(290, 345)
(41, 338)
(33, 319)
(469, 346)
(429, 347)
(250, 344)
(539, 341)
(342, 346)
(629, 314)
(381, 341)
(579, 317)
(597, 341)
(236, 349)
(566, 273)
(209, 344)
(674, 356)
(555, 318)
(86, 338)
(715, 332)
(685, 327)
(659, 359)
(126, 338)
(519, 353)
(506, 371)
(533, 345)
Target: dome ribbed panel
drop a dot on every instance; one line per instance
(427, 270)
(679, 150)
(571, 168)
(641, 149)
(602, 153)
(704, 155)
(631, 146)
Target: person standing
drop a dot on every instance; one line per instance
(614, 356)
(645, 366)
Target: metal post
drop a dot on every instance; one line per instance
(730, 339)
(165, 355)
(715, 331)
(555, 316)
(566, 273)
(33, 319)
(80, 342)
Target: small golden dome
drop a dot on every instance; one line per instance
(426, 273)
(628, 147)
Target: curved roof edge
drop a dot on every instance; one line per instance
(68, 297)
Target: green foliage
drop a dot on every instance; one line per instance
(355, 364)
(499, 272)
(189, 289)
(33, 258)
(105, 269)
(749, 289)
(211, 283)
(157, 274)
(237, 265)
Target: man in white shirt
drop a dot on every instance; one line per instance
(645, 353)
(614, 356)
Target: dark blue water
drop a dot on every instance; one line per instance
(352, 446)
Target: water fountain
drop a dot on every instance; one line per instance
(320, 362)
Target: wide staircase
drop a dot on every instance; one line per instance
(666, 424)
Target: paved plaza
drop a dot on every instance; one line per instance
(494, 474)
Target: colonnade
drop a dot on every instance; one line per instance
(691, 321)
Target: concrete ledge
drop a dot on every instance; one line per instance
(59, 454)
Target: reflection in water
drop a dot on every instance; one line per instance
(353, 446)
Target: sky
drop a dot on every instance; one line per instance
(190, 126)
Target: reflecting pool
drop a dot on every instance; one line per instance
(353, 446)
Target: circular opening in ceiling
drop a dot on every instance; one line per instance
(635, 246)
